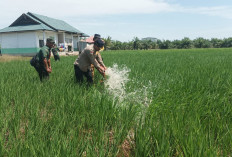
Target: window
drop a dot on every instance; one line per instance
(41, 43)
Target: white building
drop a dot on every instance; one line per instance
(29, 32)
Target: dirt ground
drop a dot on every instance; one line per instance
(74, 53)
(6, 58)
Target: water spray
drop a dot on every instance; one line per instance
(116, 81)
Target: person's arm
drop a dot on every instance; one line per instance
(100, 61)
(101, 69)
(49, 62)
(53, 51)
(95, 62)
(47, 65)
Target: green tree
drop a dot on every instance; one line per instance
(130, 45)
(201, 43)
(154, 45)
(107, 42)
(136, 42)
(186, 43)
(227, 42)
(216, 43)
(176, 44)
(165, 44)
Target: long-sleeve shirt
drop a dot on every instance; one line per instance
(45, 52)
(99, 59)
(86, 58)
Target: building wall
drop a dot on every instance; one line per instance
(19, 43)
(82, 45)
(0, 44)
(53, 35)
(0, 40)
(18, 40)
(75, 43)
(40, 35)
(68, 39)
(65, 40)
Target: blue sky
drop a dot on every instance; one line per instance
(125, 19)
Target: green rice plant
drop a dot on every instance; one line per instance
(189, 112)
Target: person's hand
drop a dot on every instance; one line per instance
(104, 67)
(49, 70)
(101, 70)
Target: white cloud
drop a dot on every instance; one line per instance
(91, 7)
(11, 9)
(218, 11)
(222, 11)
(77, 8)
(85, 7)
(71, 10)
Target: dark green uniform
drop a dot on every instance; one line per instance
(45, 52)
(55, 53)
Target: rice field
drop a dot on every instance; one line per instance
(174, 103)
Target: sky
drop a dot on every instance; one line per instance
(124, 20)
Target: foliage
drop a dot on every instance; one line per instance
(185, 43)
(216, 43)
(107, 42)
(201, 43)
(190, 113)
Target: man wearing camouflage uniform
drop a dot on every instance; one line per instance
(41, 61)
(55, 53)
(82, 65)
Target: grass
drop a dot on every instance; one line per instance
(190, 113)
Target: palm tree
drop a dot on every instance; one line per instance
(136, 43)
(108, 43)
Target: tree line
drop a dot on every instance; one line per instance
(185, 43)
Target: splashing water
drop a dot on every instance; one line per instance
(116, 81)
(116, 85)
(142, 95)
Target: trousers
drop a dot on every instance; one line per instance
(79, 75)
(43, 74)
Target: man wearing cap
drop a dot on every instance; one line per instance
(42, 63)
(55, 53)
(85, 59)
(98, 55)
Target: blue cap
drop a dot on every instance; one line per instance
(97, 36)
(99, 43)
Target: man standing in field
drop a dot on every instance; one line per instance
(41, 61)
(55, 53)
(98, 55)
(82, 65)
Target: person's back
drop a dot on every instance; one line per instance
(55, 53)
(43, 53)
(84, 59)
(41, 61)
